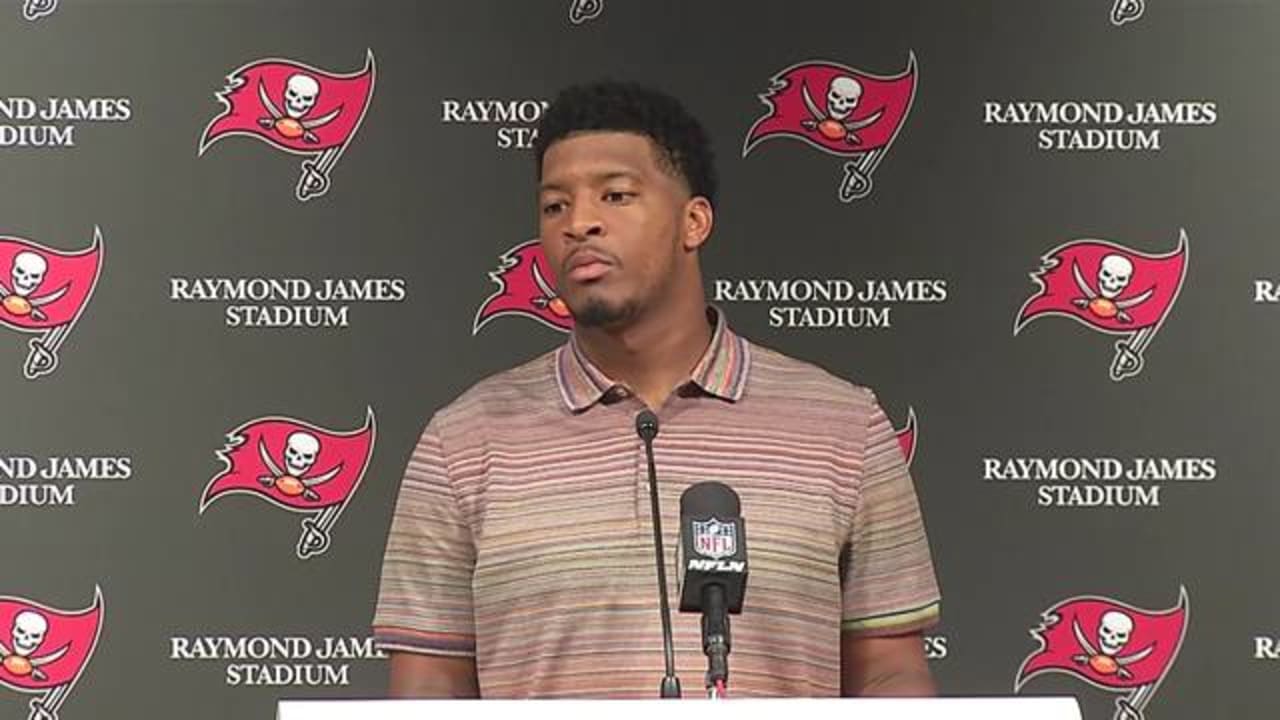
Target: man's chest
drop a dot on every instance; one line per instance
(553, 513)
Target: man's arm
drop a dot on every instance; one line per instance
(884, 666)
(415, 675)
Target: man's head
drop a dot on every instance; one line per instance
(626, 186)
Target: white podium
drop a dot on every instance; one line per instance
(1018, 708)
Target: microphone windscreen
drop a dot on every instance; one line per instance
(710, 498)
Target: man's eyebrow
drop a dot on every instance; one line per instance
(595, 178)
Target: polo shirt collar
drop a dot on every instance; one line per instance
(721, 372)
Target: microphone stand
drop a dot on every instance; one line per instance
(647, 428)
(715, 640)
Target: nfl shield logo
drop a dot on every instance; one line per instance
(714, 539)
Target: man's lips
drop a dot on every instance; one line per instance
(586, 265)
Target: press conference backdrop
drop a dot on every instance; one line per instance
(249, 247)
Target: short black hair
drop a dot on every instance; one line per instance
(629, 107)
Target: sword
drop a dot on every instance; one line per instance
(46, 708)
(582, 10)
(314, 180)
(1130, 707)
(36, 9)
(315, 532)
(1127, 11)
(857, 176)
(1128, 360)
(43, 356)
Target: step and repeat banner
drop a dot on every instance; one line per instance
(247, 248)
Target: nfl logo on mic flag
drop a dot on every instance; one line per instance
(714, 539)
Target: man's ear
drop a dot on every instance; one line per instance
(699, 217)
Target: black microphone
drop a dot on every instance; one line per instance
(647, 429)
(713, 545)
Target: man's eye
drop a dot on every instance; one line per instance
(552, 208)
(618, 196)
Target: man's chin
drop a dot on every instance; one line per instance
(595, 312)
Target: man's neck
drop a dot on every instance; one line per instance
(654, 355)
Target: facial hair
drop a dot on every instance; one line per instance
(598, 313)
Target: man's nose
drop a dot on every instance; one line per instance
(584, 221)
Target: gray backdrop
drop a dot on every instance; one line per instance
(436, 203)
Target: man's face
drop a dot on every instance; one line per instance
(610, 218)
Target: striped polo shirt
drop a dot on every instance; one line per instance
(522, 533)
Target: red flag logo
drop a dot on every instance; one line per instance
(45, 650)
(838, 110)
(907, 437)
(1112, 289)
(298, 109)
(297, 466)
(1110, 645)
(526, 287)
(43, 291)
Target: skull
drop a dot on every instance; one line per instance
(28, 272)
(1114, 276)
(843, 97)
(300, 95)
(29, 628)
(300, 453)
(1114, 631)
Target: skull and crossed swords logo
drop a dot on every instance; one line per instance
(28, 633)
(1130, 294)
(1114, 630)
(838, 110)
(28, 272)
(295, 108)
(837, 123)
(1114, 275)
(300, 95)
(278, 459)
(301, 449)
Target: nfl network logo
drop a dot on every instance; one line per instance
(714, 539)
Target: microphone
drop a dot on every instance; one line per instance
(714, 548)
(647, 429)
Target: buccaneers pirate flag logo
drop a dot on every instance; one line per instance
(907, 437)
(45, 650)
(1111, 289)
(298, 109)
(1109, 645)
(36, 9)
(525, 287)
(44, 293)
(298, 466)
(840, 111)
(1127, 11)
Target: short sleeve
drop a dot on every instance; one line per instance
(424, 598)
(888, 581)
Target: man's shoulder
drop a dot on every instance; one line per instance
(526, 388)
(776, 374)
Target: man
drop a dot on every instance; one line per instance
(520, 560)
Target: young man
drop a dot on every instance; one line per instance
(520, 560)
